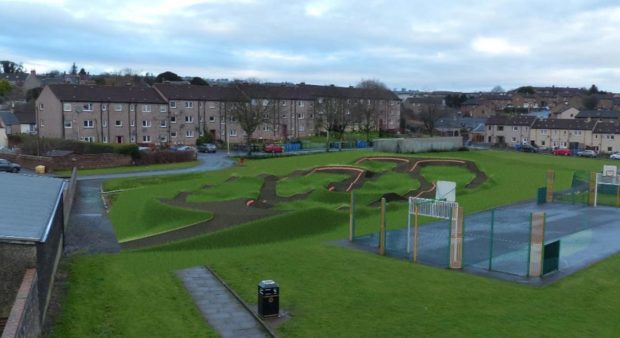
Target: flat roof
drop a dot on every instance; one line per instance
(27, 206)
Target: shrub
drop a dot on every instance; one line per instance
(158, 157)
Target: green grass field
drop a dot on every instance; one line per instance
(329, 290)
(129, 169)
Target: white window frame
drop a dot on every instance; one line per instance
(104, 123)
(232, 132)
(146, 123)
(132, 107)
(265, 103)
(189, 133)
(189, 104)
(173, 104)
(146, 138)
(87, 107)
(88, 124)
(118, 107)
(302, 127)
(133, 139)
(283, 103)
(163, 124)
(189, 119)
(132, 123)
(515, 128)
(67, 107)
(173, 119)
(300, 116)
(90, 139)
(118, 123)
(212, 119)
(105, 139)
(543, 131)
(163, 108)
(104, 107)
(146, 108)
(300, 103)
(41, 106)
(211, 105)
(68, 124)
(173, 134)
(163, 138)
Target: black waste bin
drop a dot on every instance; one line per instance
(268, 298)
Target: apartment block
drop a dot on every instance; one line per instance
(509, 130)
(562, 133)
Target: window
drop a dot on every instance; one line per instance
(609, 149)
(132, 123)
(133, 139)
(577, 132)
(89, 124)
(488, 127)
(104, 123)
(104, 107)
(542, 143)
(68, 124)
(212, 105)
(609, 136)
(265, 102)
(211, 118)
(173, 104)
(189, 104)
(118, 107)
(118, 123)
(105, 139)
(40, 106)
(87, 107)
(163, 124)
(525, 140)
(300, 116)
(146, 123)
(500, 128)
(132, 107)
(189, 119)
(514, 140)
(189, 133)
(302, 128)
(173, 119)
(283, 116)
(232, 132)
(163, 108)
(253, 102)
(515, 128)
(88, 139)
(283, 103)
(66, 107)
(163, 138)
(266, 128)
(301, 103)
(173, 134)
(543, 132)
(146, 108)
(146, 138)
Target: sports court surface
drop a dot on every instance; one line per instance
(496, 242)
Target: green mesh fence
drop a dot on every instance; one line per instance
(578, 193)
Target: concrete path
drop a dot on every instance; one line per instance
(219, 307)
(89, 227)
(208, 162)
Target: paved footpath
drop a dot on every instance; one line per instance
(219, 307)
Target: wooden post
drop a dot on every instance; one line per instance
(382, 229)
(550, 179)
(592, 190)
(456, 239)
(537, 240)
(352, 218)
(618, 196)
(415, 233)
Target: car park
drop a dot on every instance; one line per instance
(207, 148)
(8, 166)
(273, 148)
(586, 153)
(561, 152)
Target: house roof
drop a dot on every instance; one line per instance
(566, 124)
(26, 213)
(425, 100)
(13, 77)
(198, 93)
(25, 113)
(8, 118)
(607, 127)
(93, 93)
(518, 120)
(598, 114)
(459, 122)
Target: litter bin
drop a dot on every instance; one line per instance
(40, 169)
(268, 298)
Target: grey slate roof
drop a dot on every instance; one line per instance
(8, 118)
(27, 206)
(598, 114)
(607, 127)
(566, 124)
(93, 93)
(518, 120)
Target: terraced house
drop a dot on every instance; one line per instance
(563, 133)
(509, 130)
(178, 114)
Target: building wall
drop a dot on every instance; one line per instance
(562, 138)
(15, 258)
(607, 143)
(49, 114)
(511, 135)
(569, 113)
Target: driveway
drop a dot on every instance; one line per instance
(89, 228)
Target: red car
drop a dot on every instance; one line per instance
(273, 148)
(561, 152)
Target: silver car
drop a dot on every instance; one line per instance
(8, 166)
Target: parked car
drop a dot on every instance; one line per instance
(273, 148)
(615, 156)
(586, 153)
(561, 152)
(182, 148)
(207, 148)
(528, 148)
(8, 166)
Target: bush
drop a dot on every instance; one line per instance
(31, 145)
(159, 157)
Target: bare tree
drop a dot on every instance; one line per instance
(366, 109)
(428, 116)
(332, 116)
(250, 114)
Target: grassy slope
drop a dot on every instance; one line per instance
(129, 169)
(289, 186)
(342, 292)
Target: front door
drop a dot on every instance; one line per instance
(119, 139)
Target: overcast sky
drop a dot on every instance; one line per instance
(426, 45)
